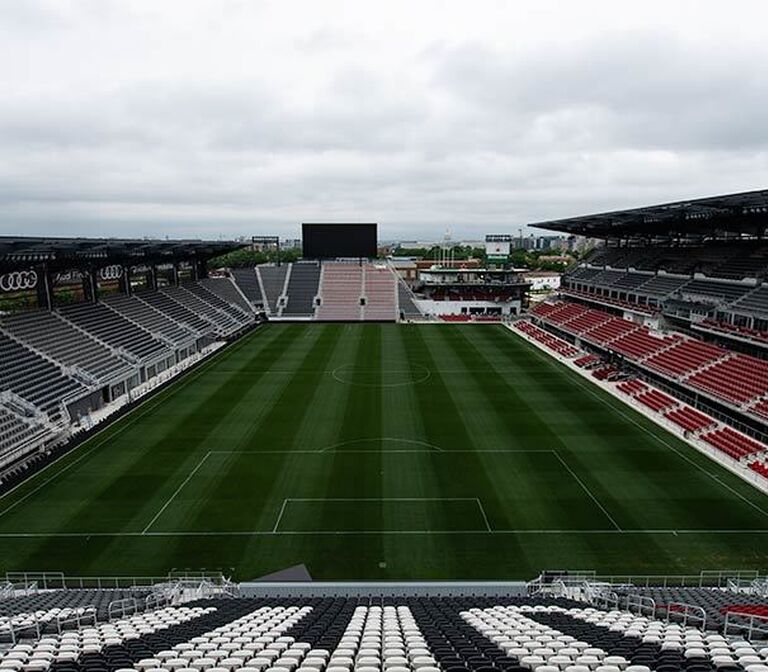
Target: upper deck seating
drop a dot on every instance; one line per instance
(662, 285)
(113, 329)
(302, 288)
(630, 281)
(712, 291)
(48, 333)
(35, 379)
(151, 319)
(755, 302)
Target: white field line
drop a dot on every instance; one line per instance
(280, 516)
(382, 499)
(269, 533)
(482, 511)
(176, 492)
(587, 490)
(325, 451)
(578, 380)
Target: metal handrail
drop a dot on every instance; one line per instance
(688, 612)
(641, 603)
(127, 604)
(750, 626)
(78, 616)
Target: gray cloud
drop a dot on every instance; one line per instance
(229, 118)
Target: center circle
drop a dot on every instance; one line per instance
(383, 377)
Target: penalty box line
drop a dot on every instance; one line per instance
(325, 451)
(382, 499)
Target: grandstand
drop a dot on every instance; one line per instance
(61, 365)
(682, 312)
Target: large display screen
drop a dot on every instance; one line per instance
(329, 241)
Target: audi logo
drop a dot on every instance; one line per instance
(113, 272)
(18, 280)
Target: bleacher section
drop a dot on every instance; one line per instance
(723, 283)
(223, 324)
(738, 379)
(179, 313)
(249, 285)
(110, 328)
(555, 344)
(18, 435)
(35, 379)
(272, 281)
(341, 287)
(85, 354)
(58, 339)
(159, 324)
(379, 292)
(230, 299)
(302, 289)
(457, 632)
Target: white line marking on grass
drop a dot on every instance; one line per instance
(380, 499)
(588, 491)
(178, 490)
(425, 376)
(269, 533)
(280, 516)
(417, 442)
(482, 511)
(327, 450)
(182, 381)
(577, 380)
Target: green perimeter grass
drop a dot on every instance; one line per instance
(383, 452)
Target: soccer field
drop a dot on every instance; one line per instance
(383, 452)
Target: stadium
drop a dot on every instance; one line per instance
(313, 465)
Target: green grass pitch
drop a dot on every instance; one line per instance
(383, 452)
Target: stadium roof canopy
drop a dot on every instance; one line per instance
(744, 214)
(26, 250)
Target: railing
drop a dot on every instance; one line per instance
(705, 579)
(641, 605)
(754, 625)
(119, 608)
(680, 612)
(79, 616)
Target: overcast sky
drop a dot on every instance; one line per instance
(198, 118)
